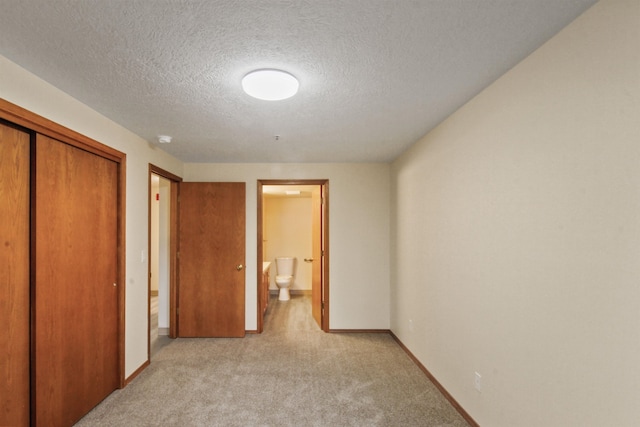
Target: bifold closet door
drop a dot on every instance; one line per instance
(75, 303)
(14, 276)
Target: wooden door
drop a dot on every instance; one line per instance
(75, 304)
(14, 276)
(316, 243)
(211, 293)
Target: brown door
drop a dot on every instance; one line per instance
(14, 277)
(75, 294)
(211, 284)
(316, 243)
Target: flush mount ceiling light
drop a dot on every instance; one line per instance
(270, 85)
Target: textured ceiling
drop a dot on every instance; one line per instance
(375, 75)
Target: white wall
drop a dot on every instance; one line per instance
(164, 258)
(154, 233)
(358, 234)
(24, 89)
(516, 235)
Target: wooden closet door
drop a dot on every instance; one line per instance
(75, 294)
(14, 276)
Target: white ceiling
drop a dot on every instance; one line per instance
(375, 75)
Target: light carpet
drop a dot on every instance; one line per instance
(293, 374)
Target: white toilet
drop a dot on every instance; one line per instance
(284, 276)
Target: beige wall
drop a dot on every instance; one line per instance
(516, 234)
(358, 234)
(287, 231)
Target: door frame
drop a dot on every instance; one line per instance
(325, 237)
(175, 181)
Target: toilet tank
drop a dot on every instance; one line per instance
(284, 266)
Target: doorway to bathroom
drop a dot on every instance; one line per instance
(299, 209)
(162, 255)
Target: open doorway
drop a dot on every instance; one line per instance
(293, 221)
(163, 196)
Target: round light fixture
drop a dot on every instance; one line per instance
(270, 85)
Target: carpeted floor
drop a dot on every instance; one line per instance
(291, 375)
(156, 341)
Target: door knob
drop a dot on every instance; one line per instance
(239, 267)
(308, 260)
